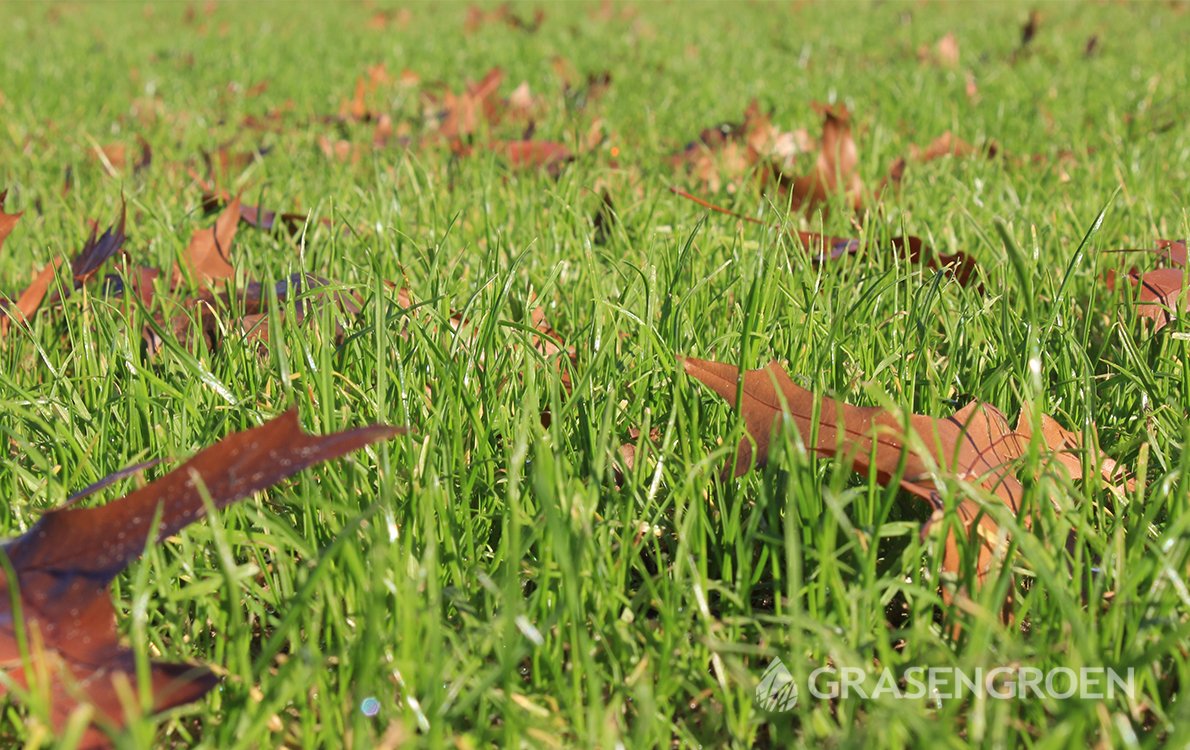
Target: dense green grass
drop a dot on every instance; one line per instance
(485, 578)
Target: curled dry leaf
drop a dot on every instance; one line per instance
(459, 115)
(725, 153)
(98, 250)
(975, 445)
(835, 169)
(208, 256)
(65, 634)
(7, 221)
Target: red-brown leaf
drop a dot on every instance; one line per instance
(976, 445)
(208, 257)
(7, 221)
(31, 299)
(545, 155)
(1161, 294)
(63, 566)
(836, 169)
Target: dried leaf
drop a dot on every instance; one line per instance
(947, 144)
(7, 221)
(503, 14)
(63, 566)
(948, 51)
(1161, 294)
(1029, 30)
(835, 170)
(975, 445)
(459, 115)
(725, 153)
(824, 247)
(256, 216)
(208, 257)
(211, 314)
(1173, 251)
(548, 156)
(97, 251)
(31, 299)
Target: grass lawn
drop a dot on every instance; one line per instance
(499, 576)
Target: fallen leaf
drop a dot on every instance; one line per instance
(114, 157)
(7, 221)
(1029, 30)
(975, 445)
(948, 51)
(823, 247)
(458, 115)
(1173, 251)
(544, 155)
(97, 251)
(255, 216)
(1159, 291)
(944, 54)
(478, 17)
(1161, 294)
(208, 257)
(211, 314)
(59, 571)
(30, 299)
(947, 144)
(725, 153)
(835, 170)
